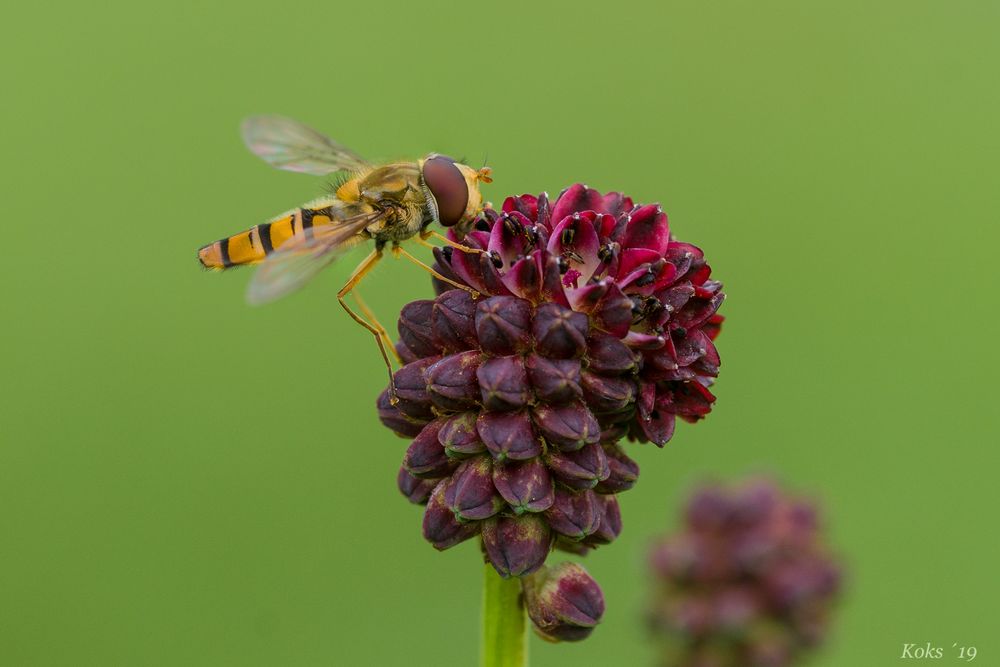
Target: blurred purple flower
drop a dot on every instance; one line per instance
(746, 581)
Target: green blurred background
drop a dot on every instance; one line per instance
(185, 480)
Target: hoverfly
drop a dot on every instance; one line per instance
(387, 203)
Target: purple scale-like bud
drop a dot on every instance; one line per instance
(574, 514)
(648, 228)
(471, 494)
(564, 602)
(608, 355)
(416, 490)
(425, 457)
(579, 469)
(453, 321)
(525, 485)
(508, 435)
(459, 436)
(441, 528)
(452, 382)
(392, 417)
(574, 199)
(568, 427)
(503, 383)
(517, 545)
(658, 427)
(624, 471)
(613, 313)
(607, 394)
(405, 353)
(554, 380)
(610, 525)
(503, 324)
(559, 332)
(411, 389)
(415, 328)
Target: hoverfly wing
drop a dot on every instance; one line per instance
(290, 145)
(302, 257)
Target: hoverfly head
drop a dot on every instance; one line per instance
(452, 188)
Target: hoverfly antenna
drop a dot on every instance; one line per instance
(484, 173)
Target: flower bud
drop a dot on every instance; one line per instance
(392, 417)
(415, 328)
(613, 313)
(508, 435)
(415, 489)
(559, 332)
(574, 514)
(453, 321)
(554, 380)
(425, 457)
(503, 324)
(568, 427)
(623, 471)
(610, 526)
(452, 383)
(411, 390)
(580, 469)
(564, 602)
(503, 383)
(607, 394)
(471, 495)
(608, 355)
(525, 485)
(459, 437)
(441, 528)
(518, 545)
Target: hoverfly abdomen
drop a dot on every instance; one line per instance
(255, 244)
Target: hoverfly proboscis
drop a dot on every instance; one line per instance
(387, 204)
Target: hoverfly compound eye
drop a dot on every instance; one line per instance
(448, 187)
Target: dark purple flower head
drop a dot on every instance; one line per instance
(592, 324)
(747, 580)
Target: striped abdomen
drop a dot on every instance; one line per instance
(259, 241)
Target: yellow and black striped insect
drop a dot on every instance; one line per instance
(387, 204)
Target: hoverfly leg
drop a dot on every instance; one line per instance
(366, 265)
(383, 334)
(398, 250)
(427, 233)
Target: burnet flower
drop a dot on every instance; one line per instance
(748, 581)
(592, 325)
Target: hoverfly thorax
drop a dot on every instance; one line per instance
(452, 189)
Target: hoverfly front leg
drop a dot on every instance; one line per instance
(363, 268)
(427, 233)
(398, 250)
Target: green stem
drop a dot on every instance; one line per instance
(504, 630)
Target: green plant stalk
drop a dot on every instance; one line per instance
(504, 639)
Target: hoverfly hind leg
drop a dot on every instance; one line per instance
(366, 265)
(373, 320)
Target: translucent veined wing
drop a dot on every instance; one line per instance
(288, 144)
(302, 257)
